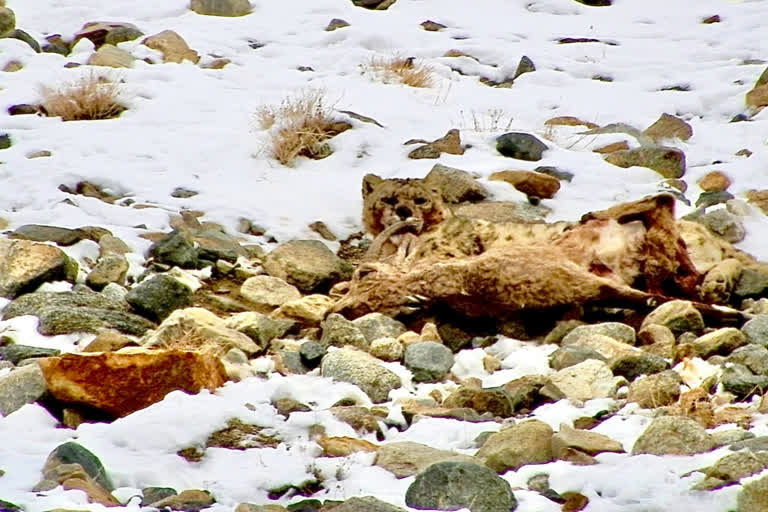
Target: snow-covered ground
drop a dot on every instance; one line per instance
(195, 128)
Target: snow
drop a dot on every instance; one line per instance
(195, 128)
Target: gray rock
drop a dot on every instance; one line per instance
(361, 369)
(35, 303)
(754, 496)
(260, 328)
(175, 249)
(366, 504)
(66, 320)
(456, 186)
(311, 353)
(753, 356)
(529, 392)
(74, 453)
(40, 233)
(336, 23)
(221, 7)
(428, 361)
(16, 353)
(25, 265)
(307, 264)
(119, 35)
(158, 296)
(7, 21)
(522, 146)
(756, 444)
(713, 197)
(616, 330)
(110, 268)
(339, 332)
(555, 172)
(750, 284)
(268, 291)
(491, 400)
(375, 326)
(632, 366)
(406, 458)
(732, 468)
(756, 330)
(725, 224)
(150, 495)
(20, 387)
(454, 485)
(524, 66)
(668, 162)
(677, 315)
(529, 442)
(673, 435)
(737, 379)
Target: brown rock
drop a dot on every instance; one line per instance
(191, 499)
(25, 265)
(529, 442)
(759, 198)
(109, 341)
(531, 183)
(669, 127)
(574, 501)
(95, 493)
(655, 390)
(715, 181)
(111, 56)
(668, 162)
(449, 143)
(585, 441)
(336, 23)
(612, 147)
(120, 383)
(406, 458)
(172, 46)
(758, 97)
(343, 446)
(432, 26)
(570, 121)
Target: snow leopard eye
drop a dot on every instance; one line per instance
(391, 201)
(420, 201)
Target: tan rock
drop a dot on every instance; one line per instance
(386, 349)
(268, 291)
(311, 309)
(669, 127)
(759, 198)
(172, 46)
(120, 383)
(655, 390)
(722, 342)
(585, 441)
(612, 147)
(429, 333)
(406, 458)
(715, 181)
(13, 66)
(530, 183)
(111, 56)
(95, 493)
(529, 442)
(569, 121)
(25, 265)
(586, 380)
(343, 446)
(758, 97)
(230, 8)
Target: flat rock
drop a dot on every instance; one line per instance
(585, 441)
(362, 370)
(120, 383)
(221, 7)
(586, 380)
(406, 458)
(41, 233)
(669, 162)
(530, 183)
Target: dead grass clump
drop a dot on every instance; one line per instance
(300, 126)
(491, 120)
(92, 97)
(404, 70)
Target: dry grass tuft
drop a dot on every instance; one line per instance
(491, 120)
(404, 70)
(92, 97)
(300, 126)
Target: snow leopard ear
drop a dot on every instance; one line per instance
(370, 182)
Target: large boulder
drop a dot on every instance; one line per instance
(362, 370)
(25, 265)
(308, 265)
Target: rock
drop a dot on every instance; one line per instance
(491, 400)
(74, 453)
(750, 284)
(677, 315)
(97, 33)
(111, 56)
(152, 495)
(449, 143)
(655, 390)
(428, 361)
(67, 320)
(362, 370)
(375, 326)
(40, 233)
(260, 328)
(7, 21)
(5, 141)
(172, 46)
(221, 7)
(655, 334)
(570, 355)
(724, 224)
(529, 442)
(631, 366)
(616, 330)
(522, 146)
(406, 458)
(673, 435)
(175, 250)
(111, 268)
(707, 199)
(586, 380)
(109, 341)
(20, 387)
(268, 291)
(309, 310)
(378, 5)
(714, 181)
(344, 446)
(386, 349)
(454, 485)
(25, 37)
(121, 34)
(307, 264)
(335, 24)
(669, 127)
(525, 65)
(16, 353)
(25, 265)
(120, 383)
(721, 280)
(456, 186)
(720, 342)
(756, 330)
(359, 418)
(754, 495)
(339, 332)
(532, 184)
(755, 444)
(737, 379)
(732, 468)
(365, 504)
(158, 296)
(584, 441)
(759, 198)
(198, 328)
(312, 353)
(758, 97)
(35, 303)
(555, 172)
(503, 211)
(432, 26)
(191, 500)
(607, 347)
(24, 109)
(669, 162)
